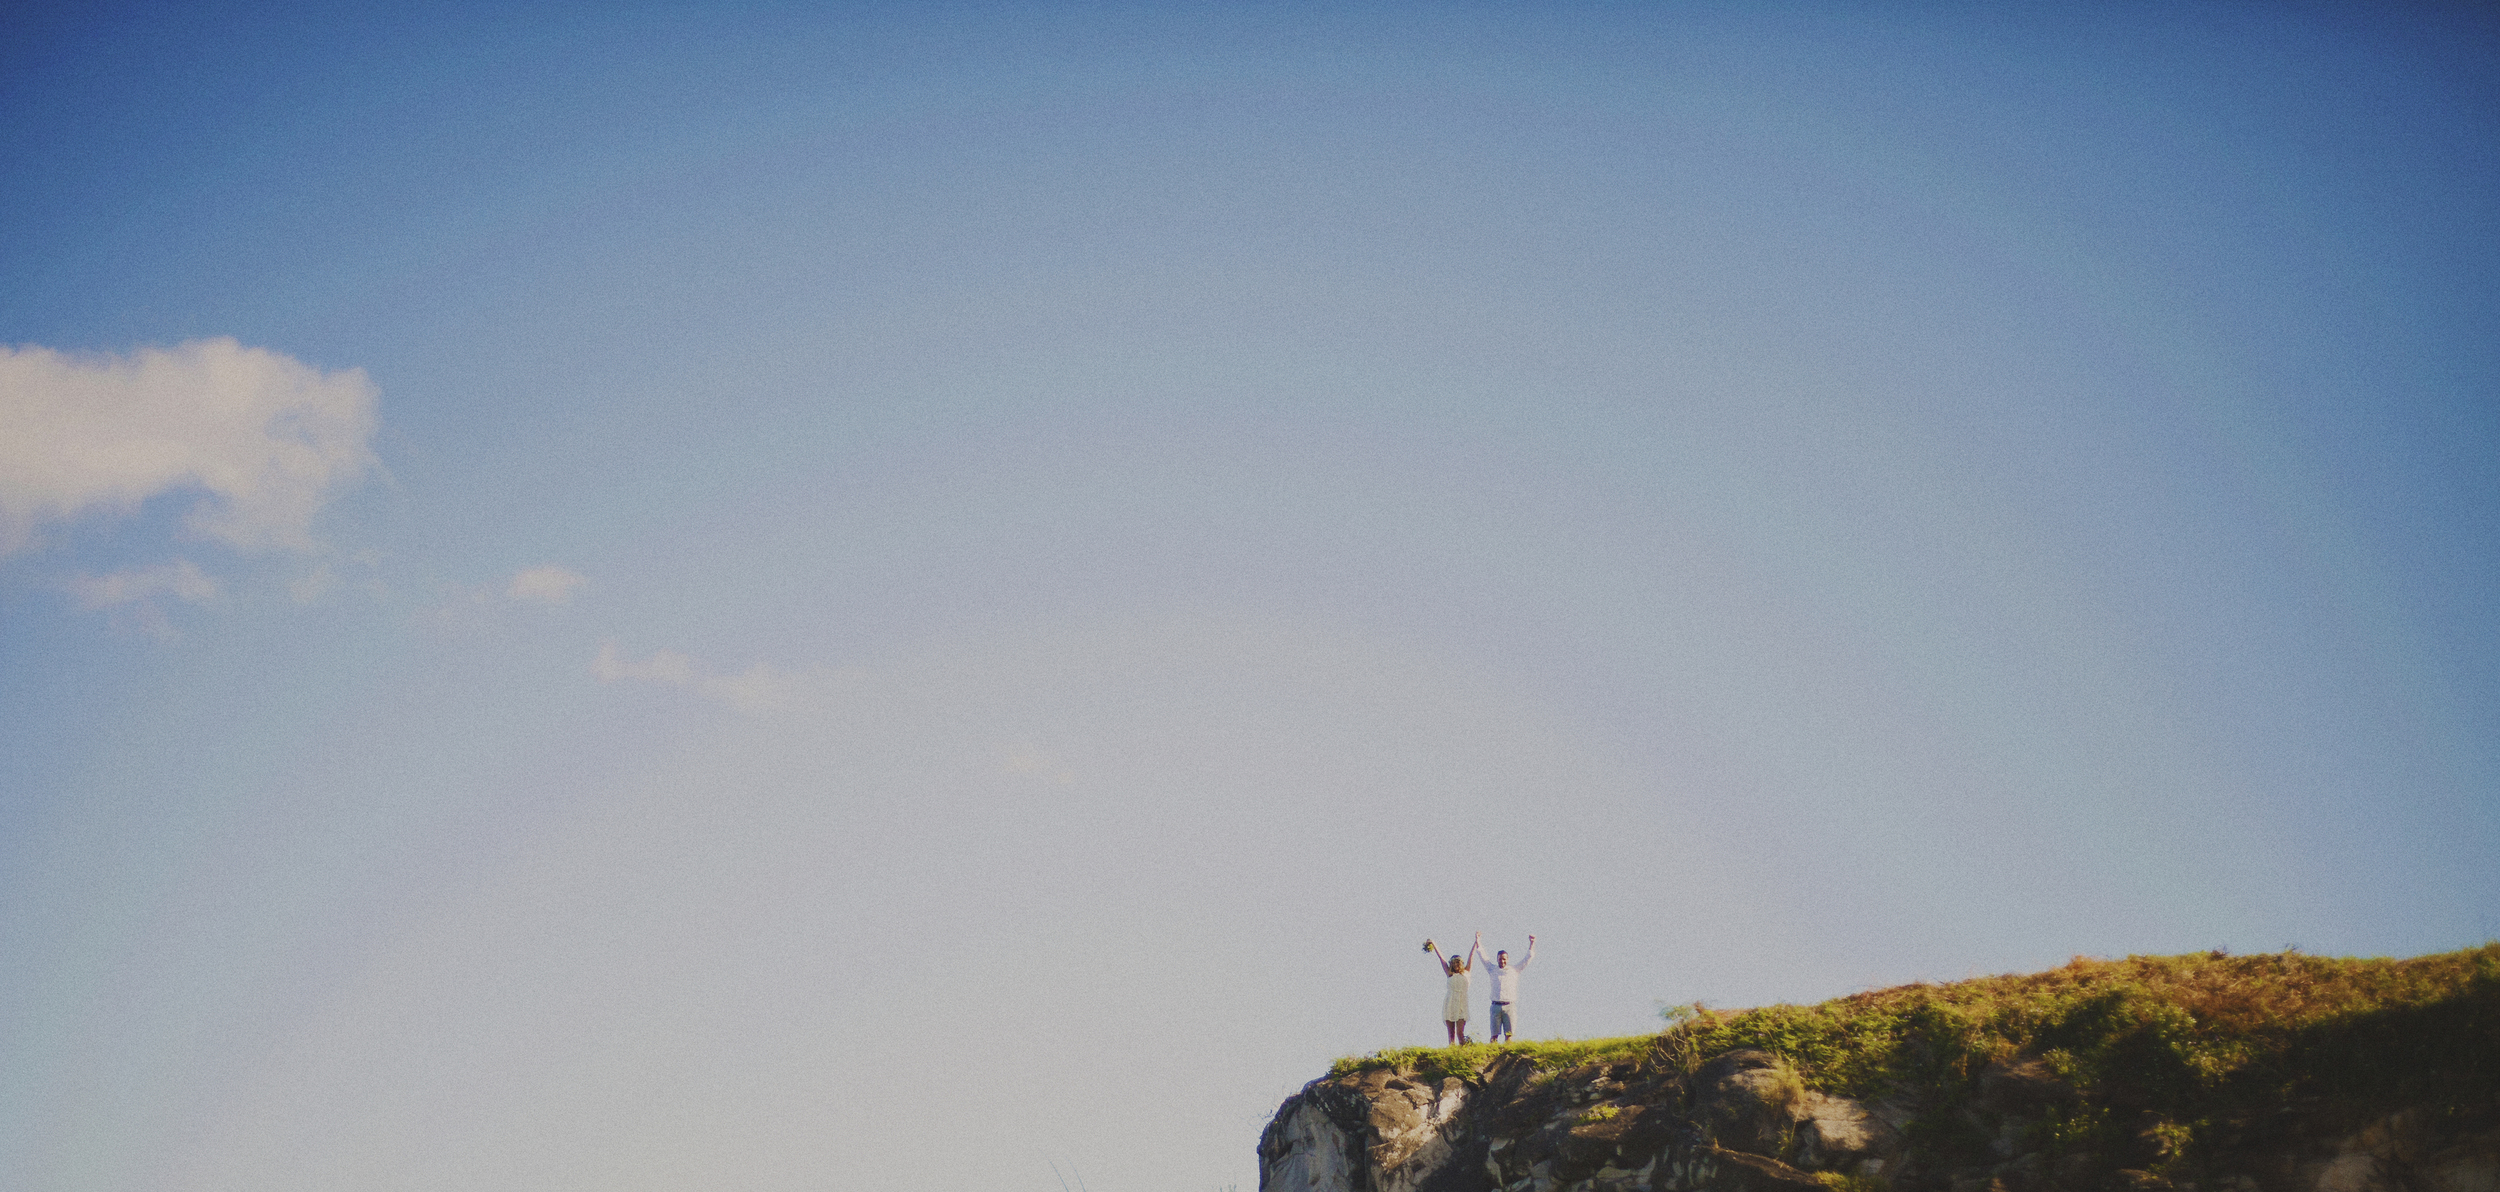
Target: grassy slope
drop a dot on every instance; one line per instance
(2198, 1044)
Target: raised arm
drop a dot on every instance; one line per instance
(1523, 961)
(1475, 951)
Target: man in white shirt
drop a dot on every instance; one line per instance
(1505, 988)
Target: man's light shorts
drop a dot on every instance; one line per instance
(1501, 1019)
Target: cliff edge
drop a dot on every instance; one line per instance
(2202, 1073)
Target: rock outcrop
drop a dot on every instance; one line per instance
(1744, 1122)
(1378, 1131)
(2205, 1072)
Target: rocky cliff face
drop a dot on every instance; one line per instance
(1743, 1122)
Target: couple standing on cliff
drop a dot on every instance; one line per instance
(1505, 987)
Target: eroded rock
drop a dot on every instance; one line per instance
(1374, 1132)
(1743, 1123)
(1749, 1101)
(1838, 1133)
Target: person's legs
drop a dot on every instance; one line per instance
(1454, 1028)
(1501, 1021)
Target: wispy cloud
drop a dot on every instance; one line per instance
(758, 689)
(136, 596)
(664, 666)
(545, 585)
(180, 579)
(265, 438)
(461, 606)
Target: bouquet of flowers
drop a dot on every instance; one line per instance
(1427, 945)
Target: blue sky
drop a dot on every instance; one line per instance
(773, 597)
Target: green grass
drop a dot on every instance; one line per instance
(1470, 1060)
(2203, 1038)
(2161, 1025)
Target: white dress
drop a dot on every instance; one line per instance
(1454, 1007)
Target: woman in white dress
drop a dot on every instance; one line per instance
(1454, 1005)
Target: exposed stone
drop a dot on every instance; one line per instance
(1377, 1132)
(2416, 1149)
(1837, 1133)
(1742, 1124)
(1749, 1101)
(1306, 1149)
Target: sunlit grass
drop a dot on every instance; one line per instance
(2167, 1022)
(1471, 1060)
(2202, 1038)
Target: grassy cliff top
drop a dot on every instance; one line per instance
(2195, 1035)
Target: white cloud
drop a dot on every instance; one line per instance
(180, 579)
(132, 596)
(545, 585)
(267, 439)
